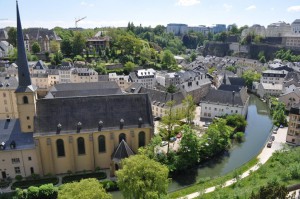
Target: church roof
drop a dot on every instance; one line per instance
(90, 110)
(11, 131)
(23, 69)
(84, 89)
(122, 151)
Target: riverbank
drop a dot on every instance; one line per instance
(263, 157)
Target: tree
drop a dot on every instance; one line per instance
(189, 153)
(54, 46)
(236, 121)
(171, 89)
(193, 56)
(168, 61)
(129, 66)
(86, 188)
(272, 190)
(12, 36)
(56, 58)
(250, 76)
(279, 117)
(143, 178)
(78, 43)
(36, 48)
(189, 108)
(66, 47)
(170, 119)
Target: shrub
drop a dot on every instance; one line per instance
(78, 177)
(33, 192)
(110, 185)
(19, 177)
(48, 191)
(27, 183)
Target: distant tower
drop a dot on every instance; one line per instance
(26, 92)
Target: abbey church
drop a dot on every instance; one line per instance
(76, 127)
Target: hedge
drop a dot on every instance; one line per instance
(109, 185)
(4, 184)
(38, 182)
(78, 177)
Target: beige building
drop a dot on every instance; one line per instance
(291, 41)
(122, 80)
(8, 100)
(293, 134)
(81, 75)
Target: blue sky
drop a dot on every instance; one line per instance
(102, 13)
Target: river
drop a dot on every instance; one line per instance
(256, 134)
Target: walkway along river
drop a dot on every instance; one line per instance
(256, 134)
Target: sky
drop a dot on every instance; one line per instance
(117, 13)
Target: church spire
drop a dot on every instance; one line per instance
(23, 69)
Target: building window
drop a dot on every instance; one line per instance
(101, 144)
(4, 94)
(29, 127)
(31, 170)
(142, 139)
(28, 117)
(15, 160)
(80, 146)
(5, 102)
(122, 136)
(29, 158)
(25, 100)
(17, 170)
(60, 148)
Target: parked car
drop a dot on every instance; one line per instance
(172, 139)
(206, 124)
(269, 145)
(274, 131)
(272, 138)
(157, 118)
(163, 143)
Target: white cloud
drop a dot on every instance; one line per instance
(227, 7)
(252, 7)
(187, 2)
(84, 3)
(294, 9)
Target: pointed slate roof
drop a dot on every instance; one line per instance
(122, 151)
(23, 69)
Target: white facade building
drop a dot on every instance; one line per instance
(296, 27)
(146, 77)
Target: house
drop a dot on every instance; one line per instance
(122, 80)
(228, 99)
(5, 48)
(147, 77)
(296, 27)
(293, 133)
(291, 97)
(97, 43)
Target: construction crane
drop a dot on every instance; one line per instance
(3, 19)
(77, 20)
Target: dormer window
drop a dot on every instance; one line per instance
(121, 123)
(100, 125)
(79, 125)
(58, 128)
(140, 122)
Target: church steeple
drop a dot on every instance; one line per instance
(23, 69)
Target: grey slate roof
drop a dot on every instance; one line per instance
(103, 78)
(90, 110)
(39, 65)
(11, 131)
(225, 87)
(3, 35)
(8, 82)
(84, 89)
(225, 97)
(160, 98)
(238, 81)
(122, 151)
(134, 88)
(23, 69)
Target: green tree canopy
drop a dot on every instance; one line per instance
(143, 178)
(272, 190)
(36, 48)
(66, 47)
(250, 76)
(168, 60)
(86, 188)
(189, 108)
(78, 43)
(54, 46)
(279, 117)
(12, 36)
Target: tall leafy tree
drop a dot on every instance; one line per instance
(168, 60)
(54, 46)
(250, 76)
(189, 151)
(272, 190)
(12, 36)
(36, 48)
(189, 108)
(143, 178)
(87, 188)
(78, 43)
(279, 117)
(66, 47)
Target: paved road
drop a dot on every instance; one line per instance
(265, 154)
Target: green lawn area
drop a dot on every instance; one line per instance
(283, 167)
